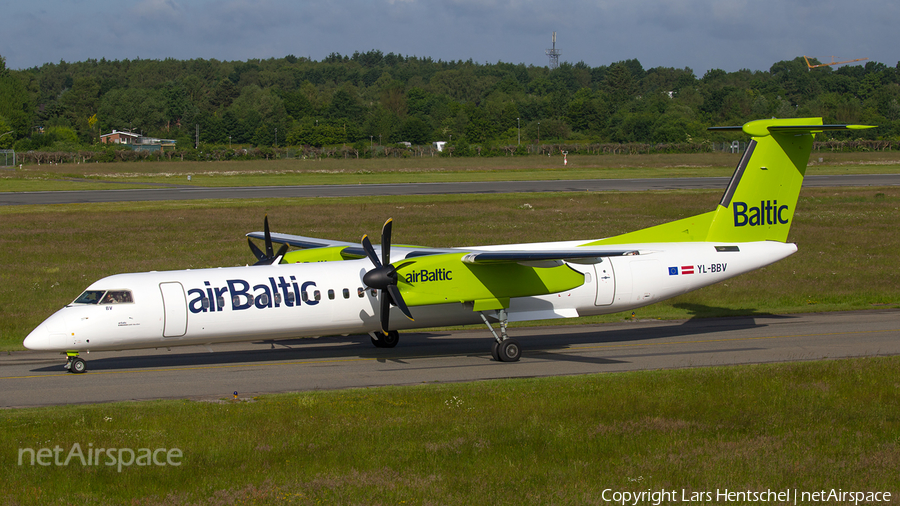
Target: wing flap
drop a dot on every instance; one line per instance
(350, 249)
(299, 241)
(572, 256)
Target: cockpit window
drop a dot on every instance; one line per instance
(90, 297)
(105, 297)
(117, 297)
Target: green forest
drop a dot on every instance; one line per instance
(371, 99)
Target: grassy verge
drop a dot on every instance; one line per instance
(49, 254)
(418, 170)
(802, 426)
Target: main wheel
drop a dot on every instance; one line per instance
(391, 339)
(509, 350)
(388, 340)
(78, 366)
(495, 351)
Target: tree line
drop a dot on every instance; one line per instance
(372, 99)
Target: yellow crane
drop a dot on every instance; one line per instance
(811, 66)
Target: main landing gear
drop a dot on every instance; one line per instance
(74, 363)
(382, 340)
(505, 348)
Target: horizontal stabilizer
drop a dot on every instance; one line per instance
(765, 127)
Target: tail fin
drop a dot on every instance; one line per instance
(762, 195)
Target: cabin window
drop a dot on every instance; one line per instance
(346, 293)
(290, 298)
(277, 298)
(361, 292)
(330, 294)
(317, 295)
(205, 304)
(304, 296)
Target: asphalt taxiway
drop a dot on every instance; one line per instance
(37, 378)
(368, 190)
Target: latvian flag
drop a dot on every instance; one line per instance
(687, 269)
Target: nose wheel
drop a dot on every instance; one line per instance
(75, 364)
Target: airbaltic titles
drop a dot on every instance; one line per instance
(263, 296)
(426, 275)
(768, 213)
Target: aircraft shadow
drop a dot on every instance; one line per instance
(536, 342)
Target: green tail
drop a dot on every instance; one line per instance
(762, 195)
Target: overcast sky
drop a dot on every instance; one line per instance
(700, 34)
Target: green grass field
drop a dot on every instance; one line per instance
(804, 427)
(71, 176)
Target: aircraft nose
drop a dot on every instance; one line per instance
(38, 339)
(48, 336)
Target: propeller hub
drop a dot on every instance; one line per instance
(380, 277)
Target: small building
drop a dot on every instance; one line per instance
(137, 142)
(117, 137)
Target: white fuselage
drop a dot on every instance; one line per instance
(175, 308)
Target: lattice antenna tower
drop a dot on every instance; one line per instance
(553, 53)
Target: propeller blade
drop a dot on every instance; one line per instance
(370, 251)
(386, 241)
(270, 252)
(385, 311)
(398, 301)
(268, 257)
(404, 264)
(256, 251)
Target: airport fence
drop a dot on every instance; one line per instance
(7, 158)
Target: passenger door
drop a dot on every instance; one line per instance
(174, 308)
(606, 283)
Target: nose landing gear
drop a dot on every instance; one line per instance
(74, 363)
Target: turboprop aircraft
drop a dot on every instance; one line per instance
(335, 287)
